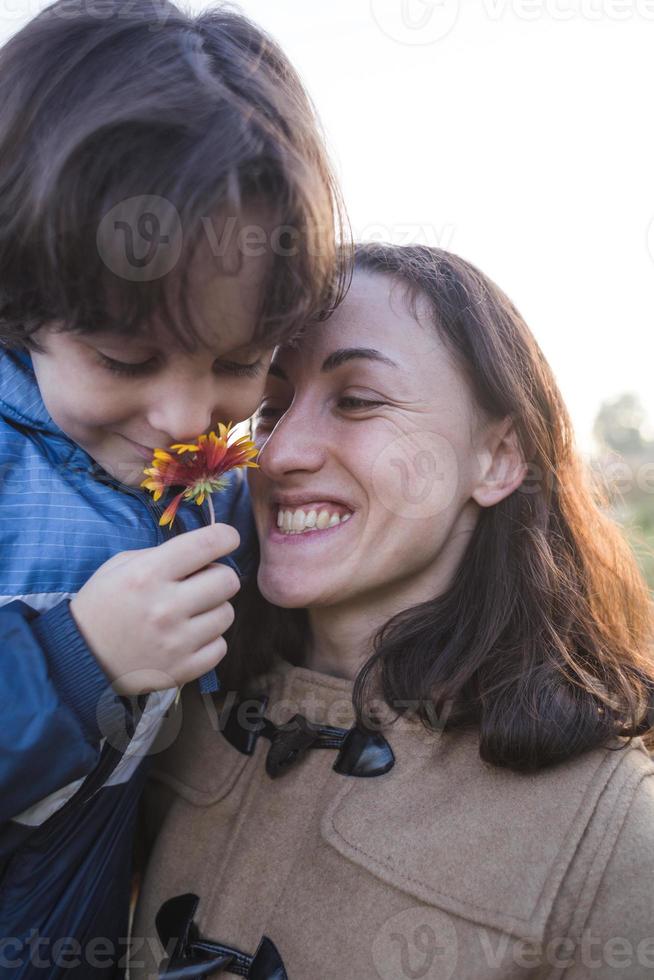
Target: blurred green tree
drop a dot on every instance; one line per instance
(619, 430)
(620, 424)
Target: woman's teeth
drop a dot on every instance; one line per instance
(300, 521)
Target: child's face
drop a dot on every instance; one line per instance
(168, 395)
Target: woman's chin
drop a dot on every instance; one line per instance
(289, 591)
(286, 598)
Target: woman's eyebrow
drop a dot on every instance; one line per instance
(353, 353)
(338, 358)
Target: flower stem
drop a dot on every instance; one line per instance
(213, 521)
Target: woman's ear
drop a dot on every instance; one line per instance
(502, 465)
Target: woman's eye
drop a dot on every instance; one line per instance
(266, 414)
(354, 403)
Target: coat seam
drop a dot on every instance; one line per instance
(578, 926)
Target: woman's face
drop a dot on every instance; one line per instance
(371, 449)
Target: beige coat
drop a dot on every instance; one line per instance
(443, 867)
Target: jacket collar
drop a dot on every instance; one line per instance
(21, 403)
(20, 398)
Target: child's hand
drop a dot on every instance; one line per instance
(155, 618)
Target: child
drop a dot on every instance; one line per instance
(167, 215)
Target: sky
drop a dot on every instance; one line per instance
(516, 133)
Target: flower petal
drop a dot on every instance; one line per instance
(168, 515)
(185, 447)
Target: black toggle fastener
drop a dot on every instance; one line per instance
(360, 753)
(194, 958)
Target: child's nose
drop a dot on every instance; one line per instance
(183, 419)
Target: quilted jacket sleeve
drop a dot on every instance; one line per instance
(56, 705)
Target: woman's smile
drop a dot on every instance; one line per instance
(313, 522)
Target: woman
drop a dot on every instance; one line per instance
(446, 614)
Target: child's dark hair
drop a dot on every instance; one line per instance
(177, 122)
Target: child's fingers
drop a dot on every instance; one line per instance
(204, 660)
(191, 551)
(207, 628)
(206, 590)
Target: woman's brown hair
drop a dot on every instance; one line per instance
(179, 121)
(543, 640)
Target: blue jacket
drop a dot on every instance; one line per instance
(73, 756)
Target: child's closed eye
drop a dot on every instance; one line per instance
(128, 369)
(125, 367)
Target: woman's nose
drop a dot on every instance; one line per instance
(293, 445)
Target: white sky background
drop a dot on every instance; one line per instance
(517, 133)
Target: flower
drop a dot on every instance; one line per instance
(199, 468)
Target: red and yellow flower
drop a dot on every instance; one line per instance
(199, 468)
